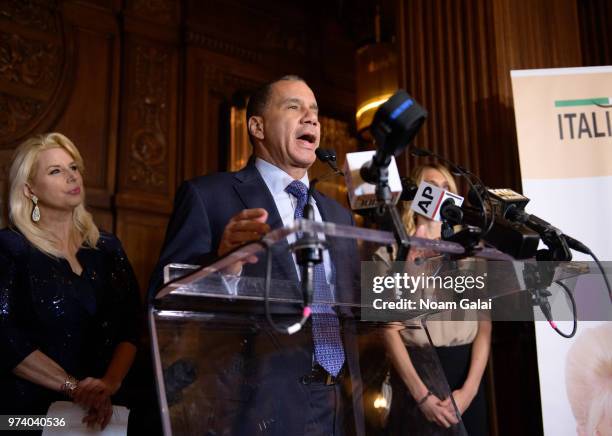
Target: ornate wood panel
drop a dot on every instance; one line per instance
(91, 115)
(214, 80)
(58, 72)
(149, 128)
(36, 60)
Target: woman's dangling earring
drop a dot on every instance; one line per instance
(36, 210)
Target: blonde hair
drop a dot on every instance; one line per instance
(408, 216)
(23, 169)
(588, 377)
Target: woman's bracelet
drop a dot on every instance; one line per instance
(422, 400)
(69, 386)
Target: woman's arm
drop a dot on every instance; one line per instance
(126, 317)
(434, 409)
(40, 369)
(93, 394)
(122, 360)
(96, 392)
(480, 356)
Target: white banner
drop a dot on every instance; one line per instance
(564, 130)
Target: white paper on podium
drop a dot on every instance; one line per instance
(73, 415)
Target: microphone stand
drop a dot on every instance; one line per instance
(385, 196)
(308, 249)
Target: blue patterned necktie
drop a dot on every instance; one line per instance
(328, 349)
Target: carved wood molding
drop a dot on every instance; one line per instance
(40, 15)
(148, 143)
(16, 115)
(29, 62)
(284, 38)
(222, 46)
(36, 65)
(161, 11)
(225, 81)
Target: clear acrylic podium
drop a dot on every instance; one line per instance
(221, 369)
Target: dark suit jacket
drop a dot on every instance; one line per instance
(270, 394)
(203, 206)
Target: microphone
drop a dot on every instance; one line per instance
(309, 248)
(409, 189)
(575, 244)
(440, 205)
(510, 205)
(539, 225)
(328, 155)
(395, 124)
(436, 203)
(362, 194)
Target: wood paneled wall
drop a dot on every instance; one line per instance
(144, 87)
(61, 73)
(149, 134)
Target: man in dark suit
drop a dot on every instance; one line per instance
(298, 388)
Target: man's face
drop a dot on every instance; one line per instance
(290, 127)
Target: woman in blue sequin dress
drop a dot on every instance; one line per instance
(69, 302)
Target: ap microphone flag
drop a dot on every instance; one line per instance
(429, 200)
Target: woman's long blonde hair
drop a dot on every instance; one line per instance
(20, 206)
(417, 176)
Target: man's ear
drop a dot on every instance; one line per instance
(255, 126)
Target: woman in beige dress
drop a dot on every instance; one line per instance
(461, 346)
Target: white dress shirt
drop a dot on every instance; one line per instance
(277, 180)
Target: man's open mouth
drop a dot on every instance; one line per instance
(308, 137)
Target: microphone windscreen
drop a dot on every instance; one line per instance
(325, 154)
(409, 189)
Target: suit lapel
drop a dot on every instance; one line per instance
(254, 193)
(327, 216)
(339, 249)
(321, 205)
